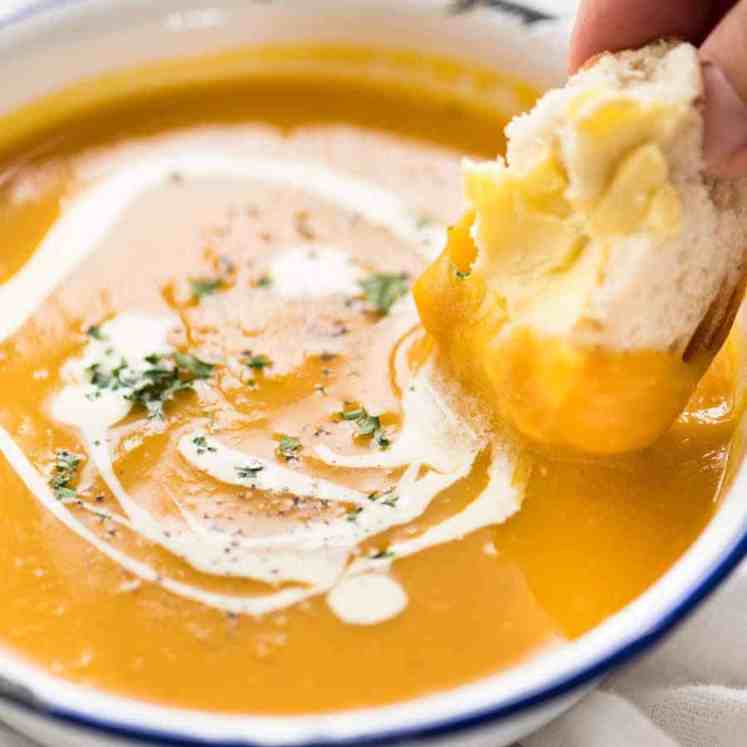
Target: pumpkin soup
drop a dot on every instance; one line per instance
(232, 476)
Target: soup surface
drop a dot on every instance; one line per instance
(233, 477)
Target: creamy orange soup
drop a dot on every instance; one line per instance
(233, 475)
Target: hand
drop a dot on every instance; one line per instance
(717, 27)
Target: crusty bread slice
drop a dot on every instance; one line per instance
(598, 269)
(678, 294)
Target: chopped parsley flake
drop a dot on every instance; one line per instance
(461, 275)
(369, 426)
(288, 448)
(355, 414)
(383, 289)
(202, 446)
(264, 282)
(65, 470)
(381, 439)
(386, 497)
(95, 332)
(154, 386)
(256, 362)
(198, 368)
(382, 555)
(249, 471)
(353, 513)
(202, 287)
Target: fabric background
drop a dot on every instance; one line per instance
(689, 692)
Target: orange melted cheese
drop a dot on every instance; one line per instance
(590, 537)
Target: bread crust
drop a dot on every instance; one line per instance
(713, 330)
(718, 262)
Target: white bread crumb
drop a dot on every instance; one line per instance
(655, 291)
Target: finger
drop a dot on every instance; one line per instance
(603, 25)
(724, 56)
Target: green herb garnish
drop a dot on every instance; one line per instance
(288, 448)
(264, 282)
(369, 426)
(352, 513)
(381, 439)
(65, 470)
(389, 499)
(202, 287)
(198, 368)
(461, 275)
(248, 471)
(382, 555)
(383, 289)
(358, 412)
(154, 386)
(257, 362)
(202, 446)
(95, 332)
(157, 385)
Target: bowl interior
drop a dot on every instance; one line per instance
(68, 40)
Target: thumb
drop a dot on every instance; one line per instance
(724, 59)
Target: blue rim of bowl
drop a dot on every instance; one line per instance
(565, 685)
(449, 727)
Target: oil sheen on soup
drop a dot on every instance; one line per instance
(232, 475)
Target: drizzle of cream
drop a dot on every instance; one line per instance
(129, 338)
(367, 599)
(239, 605)
(434, 441)
(92, 214)
(500, 499)
(313, 272)
(371, 515)
(432, 433)
(317, 553)
(227, 465)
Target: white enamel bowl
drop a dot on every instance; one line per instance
(58, 42)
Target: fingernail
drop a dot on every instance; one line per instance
(725, 122)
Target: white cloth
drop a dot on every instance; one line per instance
(689, 692)
(10, 739)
